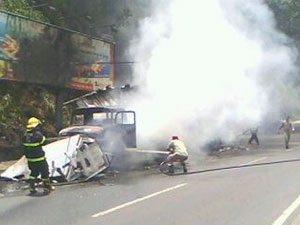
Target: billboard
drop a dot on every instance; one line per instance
(36, 52)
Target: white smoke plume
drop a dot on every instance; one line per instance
(209, 69)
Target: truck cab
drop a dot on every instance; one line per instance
(113, 128)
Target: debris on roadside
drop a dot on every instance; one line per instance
(72, 158)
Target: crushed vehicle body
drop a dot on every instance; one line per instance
(105, 115)
(107, 125)
(113, 129)
(71, 158)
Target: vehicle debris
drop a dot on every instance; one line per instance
(101, 135)
(71, 158)
(217, 145)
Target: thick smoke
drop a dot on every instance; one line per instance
(210, 69)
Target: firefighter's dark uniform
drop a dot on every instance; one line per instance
(33, 140)
(253, 132)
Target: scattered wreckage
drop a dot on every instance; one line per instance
(70, 158)
(217, 146)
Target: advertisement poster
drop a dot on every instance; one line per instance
(40, 53)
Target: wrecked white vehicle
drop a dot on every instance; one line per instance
(101, 134)
(72, 158)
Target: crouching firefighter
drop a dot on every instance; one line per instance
(33, 140)
(177, 153)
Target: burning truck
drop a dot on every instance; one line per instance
(101, 136)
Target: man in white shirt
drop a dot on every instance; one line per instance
(287, 128)
(177, 153)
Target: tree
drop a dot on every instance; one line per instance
(24, 8)
(287, 15)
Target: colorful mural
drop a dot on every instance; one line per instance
(35, 52)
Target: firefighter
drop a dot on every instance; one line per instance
(253, 131)
(33, 140)
(177, 153)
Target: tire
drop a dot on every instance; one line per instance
(164, 167)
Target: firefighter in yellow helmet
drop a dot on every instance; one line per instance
(33, 140)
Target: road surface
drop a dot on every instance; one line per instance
(260, 186)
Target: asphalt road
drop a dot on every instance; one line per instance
(258, 186)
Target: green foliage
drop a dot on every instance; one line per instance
(287, 14)
(23, 7)
(18, 102)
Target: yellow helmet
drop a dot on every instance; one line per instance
(33, 122)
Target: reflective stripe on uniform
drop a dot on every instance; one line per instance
(35, 144)
(36, 159)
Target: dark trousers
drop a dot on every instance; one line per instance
(253, 138)
(39, 168)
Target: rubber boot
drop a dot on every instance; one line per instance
(32, 187)
(48, 187)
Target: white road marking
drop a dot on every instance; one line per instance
(137, 200)
(285, 215)
(254, 161)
